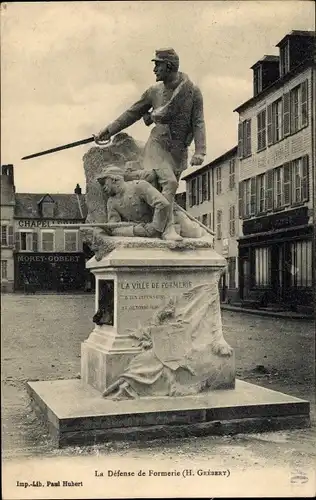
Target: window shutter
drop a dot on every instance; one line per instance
(190, 193)
(197, 190)
(305, 180)
(304, 103)
(286, 114)
(34, 242)
(240, 140)
(269, 190)
(287, 183)
(248, 137)
(253, 196)
(200, 189)
(270, 126)
(241, 200)
(209, 221)
(10, 236)
(17, 241)
(208, 185)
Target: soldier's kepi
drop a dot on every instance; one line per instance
(175, 106)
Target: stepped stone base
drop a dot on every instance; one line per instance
(75, 413)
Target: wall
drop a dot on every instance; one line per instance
(289, 148)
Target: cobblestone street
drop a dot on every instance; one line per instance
(41, 338)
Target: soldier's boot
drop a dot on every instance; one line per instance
(170, 233)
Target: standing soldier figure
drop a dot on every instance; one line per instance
(175, 106)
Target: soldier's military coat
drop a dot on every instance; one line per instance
(178, 121)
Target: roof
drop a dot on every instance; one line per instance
(276, 84)
(296, 33)
(266, 58)
(228, 154)
(66, 205)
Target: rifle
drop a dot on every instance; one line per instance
(67, 146)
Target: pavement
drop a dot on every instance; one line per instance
(41, 337)
(268, 312)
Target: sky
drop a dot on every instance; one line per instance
(69, 68)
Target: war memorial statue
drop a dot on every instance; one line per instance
(175, 106)
(156, 362)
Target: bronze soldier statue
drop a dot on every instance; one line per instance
(175, 106)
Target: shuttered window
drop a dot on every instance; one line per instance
(218, 180)
(194, 191)
(219, 224)
(232, 174)
(305, 179)
(261, 193)
(304, 103)
(244, 139)
(240, 140)
(241, 199)
(232, 228)
(248, 138)
(269, 190)
(189, 184)
(26, 241)
(253, 196)
(278, 187)
(261, 130)
(295, 109)
(270, 125)
(287, 183)
(208, 185)
(286, 114)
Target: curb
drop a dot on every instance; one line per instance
(271, 314)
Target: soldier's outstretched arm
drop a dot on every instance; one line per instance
(132, 115)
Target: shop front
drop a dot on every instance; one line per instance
(55, 272)
(275, 260)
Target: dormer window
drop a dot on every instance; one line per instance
(46, 207)
(257, 80)
(284, 58)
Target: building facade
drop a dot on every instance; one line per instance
(276, 150)
(39, 255)
(212, 197)
(7, 228)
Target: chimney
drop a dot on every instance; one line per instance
(78, 189)
(7, 184)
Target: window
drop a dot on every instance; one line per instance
(300, 180)
(218, 180)
(194, 186)
(250, 196)
(269, 190)
(261, 124)
(261, 181)
(286, 114)
(47, 208)
(205, 195)
(301, 263)
(71, 240)
(26, 241)
(257, 80)
(4, 235)
(4, 269)
(244, 139)
(284, 59)
(231, 261)
(275, 129)
(219, 224)
(247, 195)
(232, 174)
(232, 216)
(294, 109)
(278, 187)
(262, 266)
(48, 241)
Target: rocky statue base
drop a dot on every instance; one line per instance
(156, 365)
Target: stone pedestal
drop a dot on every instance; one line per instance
(139, 281)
